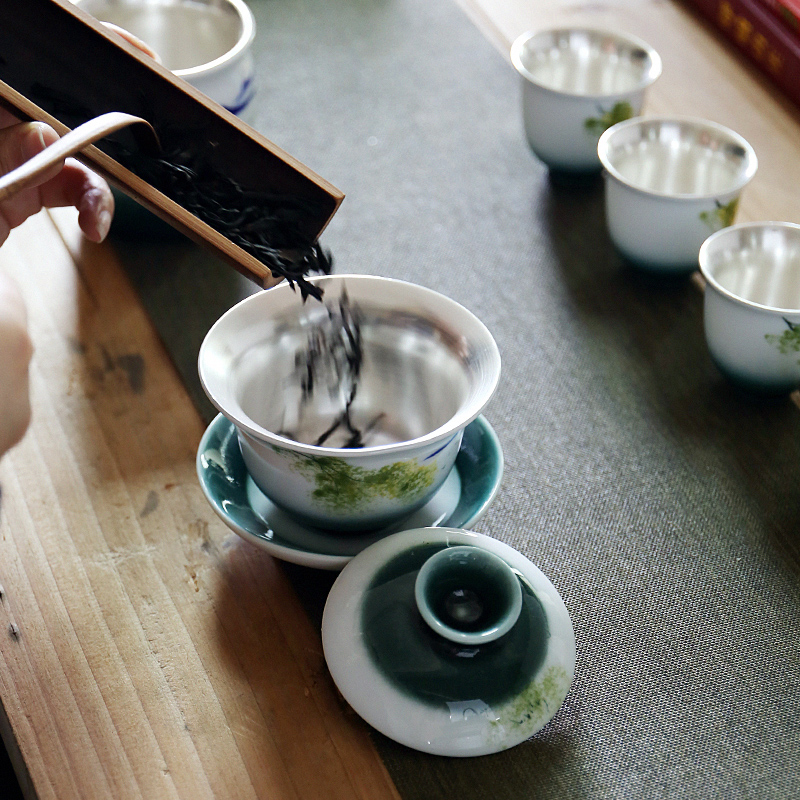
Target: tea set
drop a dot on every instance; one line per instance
(443, 639)
(672, 189)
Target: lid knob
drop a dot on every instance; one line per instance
(468, 595)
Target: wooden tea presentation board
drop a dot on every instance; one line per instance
(61, 66)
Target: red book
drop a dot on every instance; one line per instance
(766, 40)
(787, 10)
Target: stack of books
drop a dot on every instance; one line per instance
(766, 31)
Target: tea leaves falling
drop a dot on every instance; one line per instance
(331, 362)
(268, 226)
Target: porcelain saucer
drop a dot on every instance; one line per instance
(460, 502)
(425, 691)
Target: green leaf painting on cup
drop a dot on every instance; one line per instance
(787, 342)
(340, 486)
(721, 216)
(597, 125)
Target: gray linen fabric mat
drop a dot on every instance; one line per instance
(663, 506)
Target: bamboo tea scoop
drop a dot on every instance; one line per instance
(75, 141)
(60, 65)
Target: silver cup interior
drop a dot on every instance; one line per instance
(586, 62)
(188, 35)
(429, 366)
(677, 157)
(757, 263)
(414, 379)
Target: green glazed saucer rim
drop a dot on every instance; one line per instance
(460, 502)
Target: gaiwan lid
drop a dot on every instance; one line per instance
(448, 641)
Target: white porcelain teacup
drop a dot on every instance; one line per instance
(752, 304)
(670, 183)
(208, 43)
(576, 82)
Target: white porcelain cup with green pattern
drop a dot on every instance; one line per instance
(576, 82)
(752, 304)
(670, 183)
(428, 368)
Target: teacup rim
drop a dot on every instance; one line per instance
(446, 431)
(745, 176)
(650, 76)
(243, 42)
(703, 259)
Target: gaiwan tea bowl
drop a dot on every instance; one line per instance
(577, 82)
(670, 183)
(343, 448)
(752, 305)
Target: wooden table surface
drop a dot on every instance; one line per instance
(145, 651)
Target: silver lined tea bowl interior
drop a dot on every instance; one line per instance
(189, 36)
(428, 368)
(429, 365)
(586, 61)
(417, 374)
(677, 156)
(757, 263)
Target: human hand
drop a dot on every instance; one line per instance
(67, 184)
(70, 185)
(15, 355)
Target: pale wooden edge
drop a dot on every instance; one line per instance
(347, 732)
(37, 716)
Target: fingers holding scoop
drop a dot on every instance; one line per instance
(69, 185)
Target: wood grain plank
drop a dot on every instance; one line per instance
(158, 655)
(247, 619)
